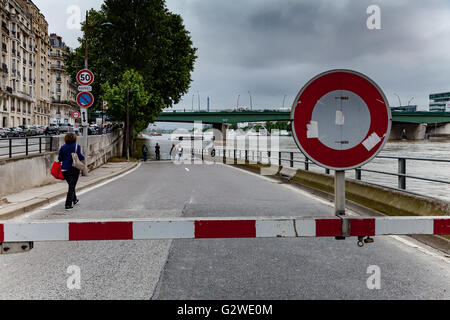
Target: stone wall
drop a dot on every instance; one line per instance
(20, 173)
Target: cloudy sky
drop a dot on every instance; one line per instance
(273, 47)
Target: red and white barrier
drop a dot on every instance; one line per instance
(203, 228)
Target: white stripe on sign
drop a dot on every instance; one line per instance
(404, 225)
(274, 229)
(163, 230)
(371, 141)
(306, 228)
(36, 231)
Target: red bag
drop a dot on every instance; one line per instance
(56, 170)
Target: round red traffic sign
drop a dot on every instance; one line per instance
(341, 119)
(85, 99)
(85, 77)
(75, 114)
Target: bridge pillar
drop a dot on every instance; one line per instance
(408, 131)
(220, 134)
(438, 130)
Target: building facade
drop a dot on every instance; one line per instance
(440, 102)
(28, 66)
(62, 90)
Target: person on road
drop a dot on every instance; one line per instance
(144, 151)
(158, 152)
(179, 151)
(70, 173)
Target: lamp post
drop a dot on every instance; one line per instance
(198, 95)
(399, 101)
(284, 98)
(237, 103)
(127, 141)
(251, 104)
(86, 36)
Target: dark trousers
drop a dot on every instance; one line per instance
(71, 177)
(145, 156)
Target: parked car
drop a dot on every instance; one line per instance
(4, 132)
(39, 130)
(18, 132)
(51, 130)
(64, 128)
(28, 130)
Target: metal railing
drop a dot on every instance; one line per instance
(278, 158)
(10, 147)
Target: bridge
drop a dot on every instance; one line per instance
(415, 125)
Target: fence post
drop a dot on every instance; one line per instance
(306, 164)
(246, 155)
(292, 160)
(358, 174)
(279, 158)
(10, 147)
(202, 155)
(402, 170)
(51, 143)
(26, 146)
(269, 155)
(40, 145)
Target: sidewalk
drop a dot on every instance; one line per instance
(30, 199)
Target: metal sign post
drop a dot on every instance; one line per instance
(341, 120)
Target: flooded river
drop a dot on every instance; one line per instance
(419, 149)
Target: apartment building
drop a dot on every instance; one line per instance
(62, 90)
(28, 79)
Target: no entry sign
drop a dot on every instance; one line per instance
(85, 99)
(85, 77)
(75, 115)
(341, 119)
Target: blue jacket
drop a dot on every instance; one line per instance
(65, 155)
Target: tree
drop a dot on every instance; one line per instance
(140, 35)
(131, 87)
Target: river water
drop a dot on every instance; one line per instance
(421, 149)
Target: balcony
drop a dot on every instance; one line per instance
(4, 47)
(57, 67)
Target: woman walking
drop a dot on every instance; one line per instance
(69, 172)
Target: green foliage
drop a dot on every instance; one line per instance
(279, 125)
(132, 85)
(144, 37)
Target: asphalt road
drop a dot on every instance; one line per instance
(305, 268)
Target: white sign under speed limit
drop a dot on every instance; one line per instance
(85, 77)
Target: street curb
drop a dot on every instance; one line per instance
(32, 204)
(434, 241)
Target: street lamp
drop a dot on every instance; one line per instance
(284, 98)
(399, 101)
(127, 142)
(86, 36)
(237, 103)
(193, 102)
(198, 95)
(251, 104)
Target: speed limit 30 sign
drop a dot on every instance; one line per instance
(85, 77)
(341, 119)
